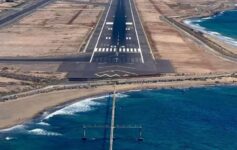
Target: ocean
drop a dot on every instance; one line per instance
(203, 118)
(222, 25)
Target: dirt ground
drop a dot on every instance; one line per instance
(229, 47)
(60, 28)
(23, 77)
(167, 43)
(8, 85)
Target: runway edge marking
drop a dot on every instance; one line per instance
(136, 32)
(87, 44)
(139, 17)
(101, 30)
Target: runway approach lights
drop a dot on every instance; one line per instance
(112, 126)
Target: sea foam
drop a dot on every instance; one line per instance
(43, 132)
(14, 128)
(121, 95)
(9, 138)
(192, 24)
(43, 123)
(82, 106)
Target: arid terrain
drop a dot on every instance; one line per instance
(167, 43)
(57, 29)
(14, 78)
(63, 28)
(190, 8)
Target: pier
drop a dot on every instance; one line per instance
(111, 139)
(112, 126)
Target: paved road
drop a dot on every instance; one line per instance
(12, 15)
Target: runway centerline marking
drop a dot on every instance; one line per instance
(113, 48)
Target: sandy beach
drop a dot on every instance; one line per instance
(20, 110)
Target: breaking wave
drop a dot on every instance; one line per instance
(193, 23)
(43, 132)
(135, 90)
(82, 106)
(14, 128)
(43, 123)
(8, 138)
(121, 95)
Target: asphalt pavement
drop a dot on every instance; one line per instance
(118, 47)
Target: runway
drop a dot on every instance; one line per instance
(118, 40)
(118, 47)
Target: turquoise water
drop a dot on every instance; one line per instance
(172, 119)
(222, 25)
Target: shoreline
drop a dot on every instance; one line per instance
(227, 42)
(49, 111)
(215, 12)
(13, 112)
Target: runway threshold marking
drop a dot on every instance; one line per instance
(101, 30)
(113, 49)
(129, 23)
(135, 27)
(121, 50)
(109, 23)
(117, 70)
